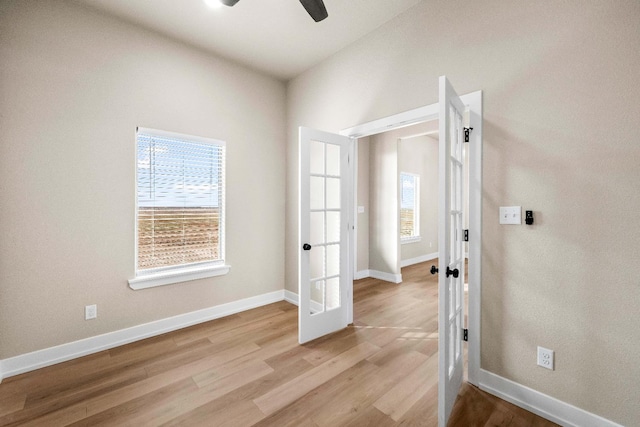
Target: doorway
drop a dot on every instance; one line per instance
(396, 190)
(473, 103)
(332, 188)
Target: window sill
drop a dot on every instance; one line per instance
(177, 276)
(408, 240)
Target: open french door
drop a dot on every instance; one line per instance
(323, 247)
(451, 248)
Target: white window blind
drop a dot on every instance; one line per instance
(410, 195)
(180, 193)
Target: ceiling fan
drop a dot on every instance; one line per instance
(315, 8)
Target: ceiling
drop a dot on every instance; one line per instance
(277, 37)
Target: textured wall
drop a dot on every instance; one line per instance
(419, 155)
(74, 86)
(362, 263)
(560, 82)
(384, 218)
(398, 151)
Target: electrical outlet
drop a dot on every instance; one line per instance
(90, 312)
(545, 358)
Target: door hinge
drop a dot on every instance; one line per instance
(465, 335)
(467, 131)
(466, 235)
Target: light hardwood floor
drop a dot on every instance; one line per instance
(247, 369)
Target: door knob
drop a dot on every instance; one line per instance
(434, 269)
(306, 246)
(455, 272)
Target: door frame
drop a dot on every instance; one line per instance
(418, 115)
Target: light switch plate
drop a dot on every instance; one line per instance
(360, 209)
(510, 214)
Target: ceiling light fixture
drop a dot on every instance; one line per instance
(213, 4)
(315, 8)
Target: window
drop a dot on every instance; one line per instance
(409, 207)
(180, 208)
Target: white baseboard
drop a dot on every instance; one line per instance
(546, 406)
(387, 277)
(50, 356)
(362, 274)
(291, 297)
(419, 259)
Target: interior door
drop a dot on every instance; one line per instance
(324, 219)
(451, 247)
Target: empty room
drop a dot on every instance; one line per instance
(180, 213)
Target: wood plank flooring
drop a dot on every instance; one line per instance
(247, 369)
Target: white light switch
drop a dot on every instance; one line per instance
(360, 209)
(510, 214)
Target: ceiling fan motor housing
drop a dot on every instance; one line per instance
(315, 8)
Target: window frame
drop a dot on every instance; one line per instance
(415, 237)
(167, 275)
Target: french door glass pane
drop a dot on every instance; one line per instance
(316, 228)
(333, 260)
(333, 160)
(317, 262)
(333, 227)
(333, 193)
(316, 157)
(451, 288)
(452, 335)
(317, 296)
(333, 293)
(316, 192)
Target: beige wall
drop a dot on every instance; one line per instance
(74, 86)
(419, 155)
(384, 218)
(413, 152)
(560, 82)
(362, 262)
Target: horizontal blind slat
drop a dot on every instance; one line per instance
(180, 201)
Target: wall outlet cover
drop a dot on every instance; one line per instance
(545, 358)
(90, 312)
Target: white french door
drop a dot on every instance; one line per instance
(451, 247)
(323, 246)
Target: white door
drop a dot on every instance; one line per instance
(451, 247)
(323, 236)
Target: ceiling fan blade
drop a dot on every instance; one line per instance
(229, 2)
(316, 9)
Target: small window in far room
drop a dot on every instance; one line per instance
(180, 208)
(409, 207)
